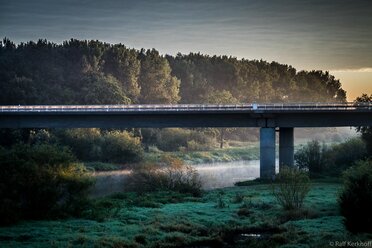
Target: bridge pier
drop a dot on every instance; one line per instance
(267, 152)
(286, 147)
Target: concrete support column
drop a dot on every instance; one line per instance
(286, 147)
(267, 153)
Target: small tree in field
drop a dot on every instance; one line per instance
(291, 187)
(366, 131)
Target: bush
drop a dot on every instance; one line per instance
(85, 143)
(91, 144)
(356, 197)
(331, 160)
(291, 187)
(171, 174)
(174, 139)
(220, 201)
(312, 157)
(40, 181)
(343, 155)
(170, 139)
(100, 166)
(121, 147)
(192, 145)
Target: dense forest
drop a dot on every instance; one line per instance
(93, 72)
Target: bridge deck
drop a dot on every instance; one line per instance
(187, 115)
(280, 107)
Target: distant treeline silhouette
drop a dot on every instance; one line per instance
(93, 72)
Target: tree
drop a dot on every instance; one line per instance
(291, 187)
(318, 86)
(18, 90)
(221, 97)
(194, 86)
(43, 72)
(157, 83)
(121, 147)
(311, 157)
(40, 181)
(365, 131)
(124, 65)
(100, 89)
(85, 143)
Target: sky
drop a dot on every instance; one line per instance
(334, 35)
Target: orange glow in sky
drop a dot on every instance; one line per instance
(355, 82)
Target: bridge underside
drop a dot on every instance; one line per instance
(265, 120)
(163, 120)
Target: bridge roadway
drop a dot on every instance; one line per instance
(268, 117)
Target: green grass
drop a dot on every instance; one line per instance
(166, 219)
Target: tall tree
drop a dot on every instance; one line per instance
(157, 83)
(365, 131)
(100, 89)
(221, 97)
(124, 65)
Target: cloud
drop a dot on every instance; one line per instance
(306, 34)
(364, 69)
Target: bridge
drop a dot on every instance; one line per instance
(268, 117)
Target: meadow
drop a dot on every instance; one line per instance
(228, 217)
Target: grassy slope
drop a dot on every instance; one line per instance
(168, 219)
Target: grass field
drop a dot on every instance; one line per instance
(230, 217)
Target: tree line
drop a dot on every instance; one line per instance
(94, 72)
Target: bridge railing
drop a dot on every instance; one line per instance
(188, 107)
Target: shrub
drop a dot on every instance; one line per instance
(175, 139)
(171, 174)
(312, 157)
(40, 181)
(154, 149)
(220, 201)
(121, 147)
(291, 187)
(170, 139)
(331, 160)
(238, 198)
(192, 145)
(100, 166)
(85, 143)
(342, 156)
(92, 144)
(356, 197)
(201, 139)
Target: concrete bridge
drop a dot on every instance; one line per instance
(268, 117)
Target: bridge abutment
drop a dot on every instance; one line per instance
(286, 147)
(267, 152)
